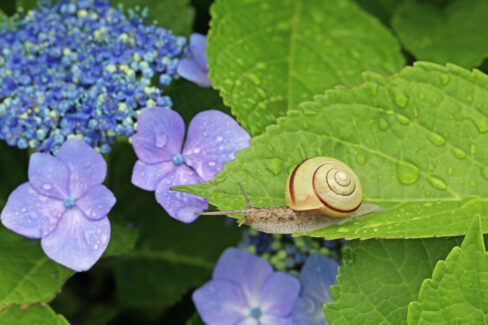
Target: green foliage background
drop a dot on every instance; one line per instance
(337, 78)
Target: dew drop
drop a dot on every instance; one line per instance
(361, 158)
(274, 165)
(197, 150)
(445, 79)
(437, 182)
(473, 148)
(450, 170)
(400, 99)
(211, 163)
(254, 78)
(383, 124)
(402, 119)
(431, 166)
(458, 153)
(219, 138)
(160, 140)
(407, 173)
(95, 247)
(46, 186)
(484, 172)
(481, 124)
(436, 139)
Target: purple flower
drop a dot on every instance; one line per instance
(245, 290)
(318, 274)
(213, 139)
(193, 67)
(65, 204)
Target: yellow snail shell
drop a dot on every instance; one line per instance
(325, 185)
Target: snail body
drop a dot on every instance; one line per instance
(320, 192)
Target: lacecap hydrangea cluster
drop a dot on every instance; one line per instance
(80, 69)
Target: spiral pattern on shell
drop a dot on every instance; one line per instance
(324, 184)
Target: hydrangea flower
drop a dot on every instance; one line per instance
(213, 139)
(193, 66)
(64, 204)
(80, 68)
(245, 290)
(318, 274)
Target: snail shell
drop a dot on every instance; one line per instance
(325, 185)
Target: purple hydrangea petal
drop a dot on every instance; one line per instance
(179, 205)
(159, 136)
(198, 45)
(220, 302)
(96, 202)
(147, 176)
(275, 320)
(213, 139)
(248, 321)
(317, 275)
(77, 242)
(31, 214)
(189, 69)
(49, 175)
(86, 165)
(194, 68)
(279, 294)
(245, 269)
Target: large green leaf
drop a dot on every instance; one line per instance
(266, 57)
(383, 9)
(27, 275)
(34, 315)
(458, 290)
(416, 141)
(455, 33)
(380, 278)
(176, 15)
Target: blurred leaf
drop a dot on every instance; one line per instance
(27, 275)
(34, 315)
(27, 4)
(458, 290)
(455, 33)
(380, 278)
(382, 9)
(267, 56)
(175, 15)
(123, 238)
(13, 170)
(195, 320)
(416, 140)
(189, 99)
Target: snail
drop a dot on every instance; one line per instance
(320, 192)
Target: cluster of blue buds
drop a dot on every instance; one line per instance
(80, 69)
(287, 253)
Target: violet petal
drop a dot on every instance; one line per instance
(275, 320)
(159, 136)
(220, 302)
(31, 214)
(316, 277)
(189, 69)
(96, 202)
(279, 294)
(147, 176)
(86, 165)
(77, 242)
(49, 175)
(213, 139)
(246, 269)
(179, 205)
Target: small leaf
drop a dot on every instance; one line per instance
(34, 315)
(414, 139)
(27, 275)
(380, 278)
(458, 290)
(267, 56)
(123, 237)
(455, 33)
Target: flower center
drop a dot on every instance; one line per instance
(256, 312)
(178, 159)
(69, 202)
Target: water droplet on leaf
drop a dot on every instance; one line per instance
(407, 173)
